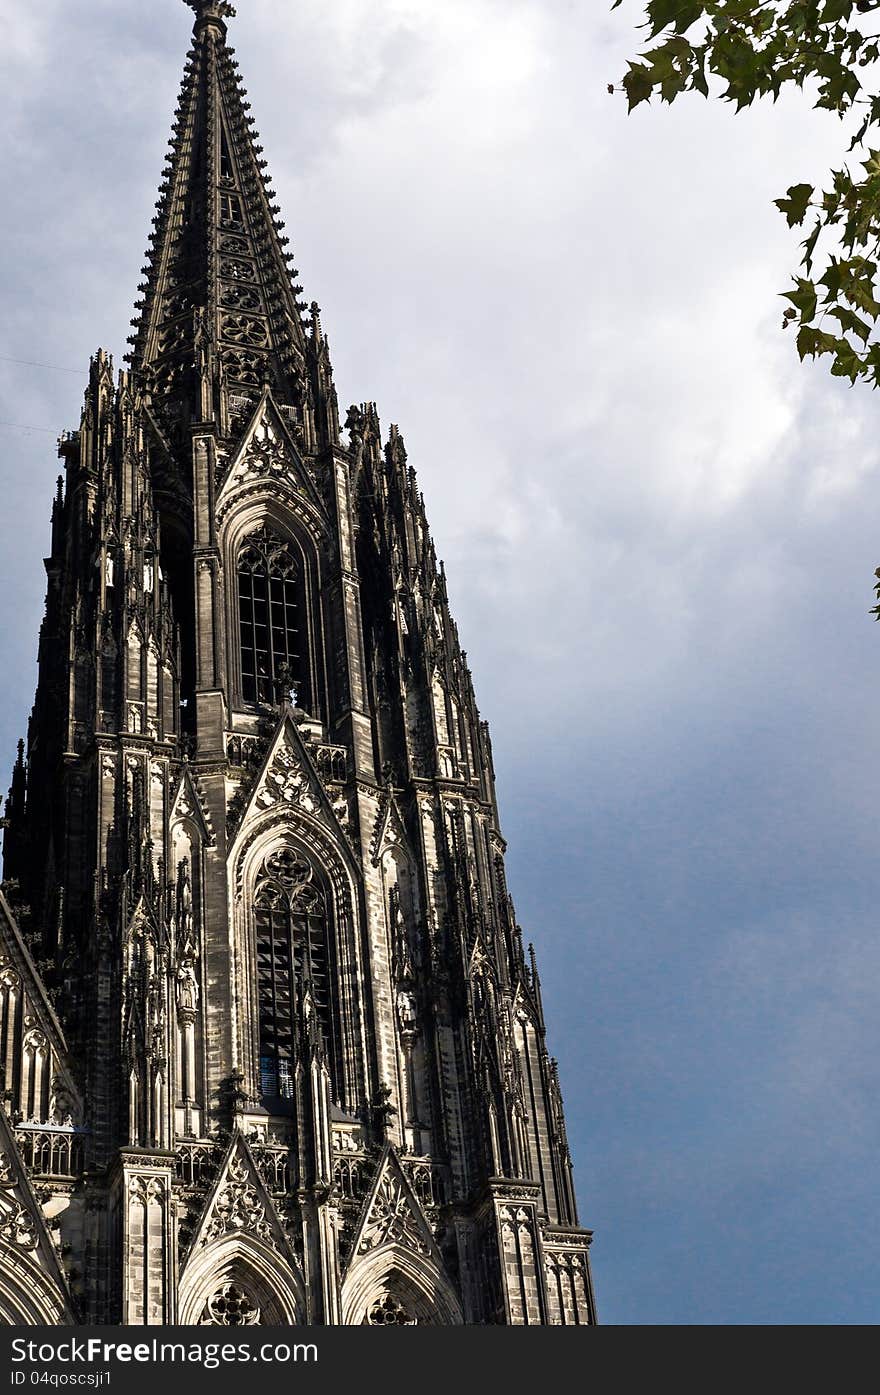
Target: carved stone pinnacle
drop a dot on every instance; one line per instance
(212, 9)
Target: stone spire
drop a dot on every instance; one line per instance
(219, 316)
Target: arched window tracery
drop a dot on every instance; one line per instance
(291, 922)
(270, 616)
(230, 1306)
(390, 1312)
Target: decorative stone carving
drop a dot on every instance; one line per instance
(238, 1206)
(389, 830)
(287, 868)
(9, 979)
(230, 1306)
(236, 246)
(242, 329)
(241, 366)
(287, 781)
(237, 297)
(268, 455)
(392, 1219)
(17, 1224)
(188, 804)
(237, 271)
(143, 994)
(389, 1312)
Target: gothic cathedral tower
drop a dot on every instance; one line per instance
(270, 1046)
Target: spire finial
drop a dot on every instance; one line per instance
(218, 10)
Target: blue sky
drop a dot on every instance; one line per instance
(660, 533)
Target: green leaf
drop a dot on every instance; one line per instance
(809, 245)
(680, 14)
(815, 342)
(760, 48)
(834, 10)
(661, 13)
(833, 278)
(698, 77)
(638, 84)
(847, 363)
(796, 205)
(851, 323)
(806, 341)
(858, 292)
(803, 299)
(797, 20)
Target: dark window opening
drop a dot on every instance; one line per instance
(268, 614)
(292, 970)
(230, 211)
(225, 160)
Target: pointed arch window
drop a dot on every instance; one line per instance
(226, 173)
(269, 616)
(292, 969)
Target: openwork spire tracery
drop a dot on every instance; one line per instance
(220, 314)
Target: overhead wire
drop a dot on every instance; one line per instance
(51, 367)
(23, 426)
(55, 368)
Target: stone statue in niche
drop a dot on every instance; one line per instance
(187, 987)
(187, 984)
(407, 1012)
(404, 971)
(185, 935)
